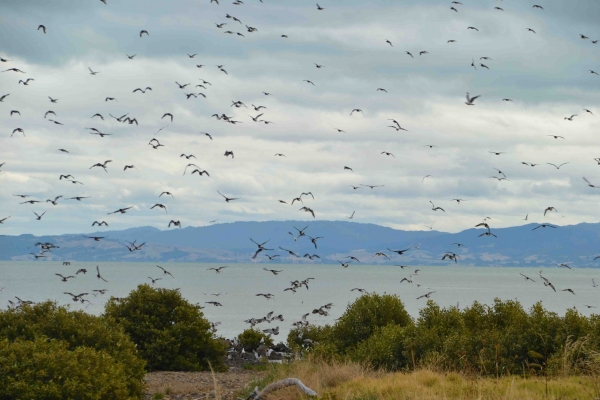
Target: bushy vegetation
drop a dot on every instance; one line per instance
(251, 338)
(48, 369)
(171, 334)
(503, 339)
(50, 352)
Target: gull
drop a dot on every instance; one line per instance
(14, 70)
(100, 223)
(144, 31)
(543, 226)
(43, 28)
(154, 280)
(434, 208)
(594, 283)
(26, 82)
(457, 200)
(348, 168)
(400, 252)
(168, 115)
(271, 258)
(18, 130)
(473, 64)
(381, 90)
(557, 167)
(423, 52)
(290, 252)
(160, 206)
(345, 265)
(131, 57)
(556, 136)
(536, 6)
(451, 256)
(54, 202)
(4, 219)
(425, 295)
(214, 303)
(267, 296)
(165, 272)
(307, 81)
(92, 72)
(352, 216)
(564, 265)
(498, 8)
(38, 216)
(3, 97)
(98, 274)
(593, 72)
(103, 165)
(372, 186)
(531, 30)
(496, 152)
(274, 271)
(526, 217)
(120, 210)
(451, 41)
(65, 278)
(590, 185)
(228, 199)
(78, 297)
(452, 8)
(176, 223)
(458, 244)
(319, 7)
(472, 27)
(96, 238)
(568, 290)
(488, 234)
(526, 277)
(381, 254)
(570, 118)
(217, 270)
(470, 100)
(550, 209)
(357, 110)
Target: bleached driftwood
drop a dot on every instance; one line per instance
(258, 394)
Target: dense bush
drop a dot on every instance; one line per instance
(364, 316)
(49, 369)
(500, 339)
(171, 333)
(386, 348)
(74, 331)
(250, 339)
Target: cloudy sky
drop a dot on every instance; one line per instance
(545, 73)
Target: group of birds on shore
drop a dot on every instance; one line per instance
(157, 142)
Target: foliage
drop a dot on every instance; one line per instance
(49, 369)
(250, 339)
(171, 334)
(385, 349)
(364, 316)
(74, 330)
(497, 340)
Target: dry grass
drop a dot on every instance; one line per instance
(348, 381)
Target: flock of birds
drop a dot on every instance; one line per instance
(259, 116)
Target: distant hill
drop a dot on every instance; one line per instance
(515, 246)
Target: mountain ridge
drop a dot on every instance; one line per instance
(230, 242)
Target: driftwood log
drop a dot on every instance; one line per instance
(259, 394)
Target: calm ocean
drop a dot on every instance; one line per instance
(240, 283)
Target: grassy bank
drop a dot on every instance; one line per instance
(350, 381)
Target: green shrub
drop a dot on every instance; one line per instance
(171, 333)
(316, 334)
(76, 330)
(364, 316)
(250, 339)
(385, 349)
(49, 369)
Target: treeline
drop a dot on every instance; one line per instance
(496, 340)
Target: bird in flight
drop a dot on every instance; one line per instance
(470, 100)
(228, 199)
